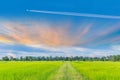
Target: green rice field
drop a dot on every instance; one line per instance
(58, 70)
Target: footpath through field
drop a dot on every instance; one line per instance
(67, 72)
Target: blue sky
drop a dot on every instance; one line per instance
(59, 28)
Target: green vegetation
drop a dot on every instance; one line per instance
(58, 70)
(67, 72)
(28, 70)
(98, 70)
(61, 58)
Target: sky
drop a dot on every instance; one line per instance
(59, 28)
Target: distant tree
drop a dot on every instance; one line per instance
(61, 58)
(6, 58)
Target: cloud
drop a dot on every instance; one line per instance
(4, 39)
(54, 35)
(76, 14)
(42, 33)
(42, 38)
(43, 50)
(11, 55)
(37, 34)
(106, 35)
(116, 47)
(58, 51)
(77, 51)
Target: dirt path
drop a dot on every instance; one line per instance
(67, 72)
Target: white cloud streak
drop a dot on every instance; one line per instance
(62, 51)
(76, 14)
(77, 51)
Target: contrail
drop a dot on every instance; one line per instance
(76, 14)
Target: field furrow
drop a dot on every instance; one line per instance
(58, 70)
(67, 72)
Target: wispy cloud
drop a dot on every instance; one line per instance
(107, 35)
(76, 14)
(42, 38)
(4, 39)
(39, 33)
(59, 51)
(42, 33)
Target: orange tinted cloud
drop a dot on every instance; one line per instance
(38, 33)
(4, 39)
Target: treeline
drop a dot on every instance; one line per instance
(75, 58)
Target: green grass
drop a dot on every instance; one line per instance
(56, 70)
(28, 70)
(67, 72)
(98, 70)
